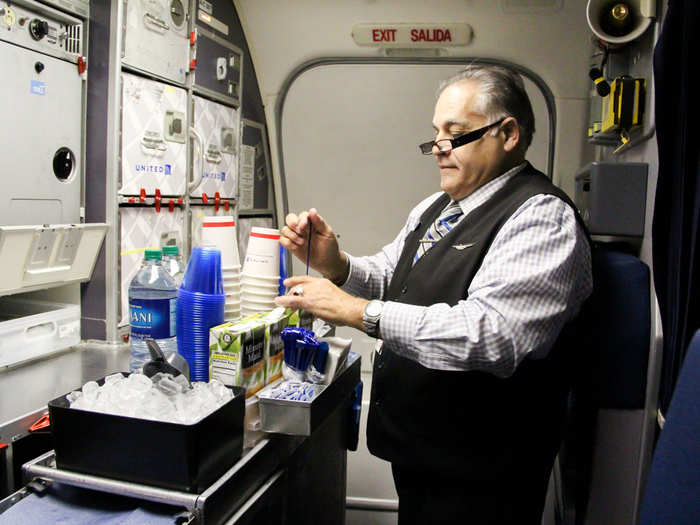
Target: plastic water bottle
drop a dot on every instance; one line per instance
(173, 263)
(152, 309)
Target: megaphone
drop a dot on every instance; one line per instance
(617, 22)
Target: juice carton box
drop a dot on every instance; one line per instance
(237, 354)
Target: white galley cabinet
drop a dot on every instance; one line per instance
(144, 228)
(156, 38)
(154, 137)
(218, 127)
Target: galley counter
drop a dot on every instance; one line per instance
(282, 479)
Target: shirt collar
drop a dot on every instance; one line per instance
(485, 192)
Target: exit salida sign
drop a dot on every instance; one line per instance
(412, 35)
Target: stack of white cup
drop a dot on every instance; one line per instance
(261, 271)
(221, 232)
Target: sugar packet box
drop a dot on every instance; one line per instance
(237, 353)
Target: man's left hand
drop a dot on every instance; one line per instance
(323, 299)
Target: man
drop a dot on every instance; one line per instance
(469, 387)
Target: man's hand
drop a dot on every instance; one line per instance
(326, 256)
(324, 299)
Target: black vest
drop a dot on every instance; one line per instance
(472, 424)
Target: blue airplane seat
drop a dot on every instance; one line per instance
(611, 354)
(672, 495)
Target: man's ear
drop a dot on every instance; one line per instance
(511, 131)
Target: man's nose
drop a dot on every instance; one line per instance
(438, 153)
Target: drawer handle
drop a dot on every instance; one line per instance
(40, 330)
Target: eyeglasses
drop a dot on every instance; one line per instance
(447, 145)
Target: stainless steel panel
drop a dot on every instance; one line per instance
(299, 418)
(25, 390)
(78, 7)
(41, 138)
(156, 38)
(40, 28)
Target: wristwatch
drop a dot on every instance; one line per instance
(371, 315)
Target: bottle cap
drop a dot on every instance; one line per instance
(171, 250)
(153, 255)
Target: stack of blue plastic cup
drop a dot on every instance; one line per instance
(200, 305)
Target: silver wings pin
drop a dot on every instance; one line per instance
(461, 247)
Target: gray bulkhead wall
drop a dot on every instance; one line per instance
(93, 305)
(102, 54)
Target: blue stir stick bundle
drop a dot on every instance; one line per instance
(300, 346)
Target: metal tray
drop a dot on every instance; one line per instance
(301, 418)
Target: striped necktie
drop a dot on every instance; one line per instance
(442, 225)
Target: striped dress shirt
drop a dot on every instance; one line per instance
(532, 281)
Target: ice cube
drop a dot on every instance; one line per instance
(109, 380)
(74, 396)
(139, 383)
(182, 380)
(168, 386)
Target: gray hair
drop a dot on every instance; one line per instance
(502, 94)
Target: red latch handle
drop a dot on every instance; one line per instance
(205, 199)
(171, 205)
(82, 65)
(43, 422)
(142, 195)
(131, 200)
(3, 445)
(193, 64)
(226, 205)
(158, 199)
(217, 201)
(193, 38)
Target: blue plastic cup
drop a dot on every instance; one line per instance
(196, 313)
(203, 273)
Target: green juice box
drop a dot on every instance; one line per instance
(237, 354)
(275, 322)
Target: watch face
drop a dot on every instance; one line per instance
(374, 308)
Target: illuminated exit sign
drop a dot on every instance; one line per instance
(412, 35)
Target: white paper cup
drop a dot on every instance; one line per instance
(232, 287)
(255, 303)
(263, 252)
(260, 278)
(245, 283)
(245, 311)
(249, 281)
(255, 296)
(221, 232)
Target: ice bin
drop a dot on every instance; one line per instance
(169, 455)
